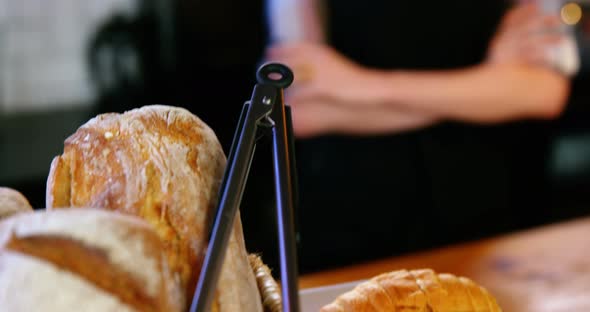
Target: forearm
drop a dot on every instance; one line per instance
(483, 94)
(383, 121)
(312, 118)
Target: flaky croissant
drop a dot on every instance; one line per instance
(417, 290)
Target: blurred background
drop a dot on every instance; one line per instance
(64, 61)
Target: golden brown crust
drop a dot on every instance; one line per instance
(430, 285)
(58, 184)
(417, 290)
(157, 162)
(402, 288)
(457, 296)
(12, 202)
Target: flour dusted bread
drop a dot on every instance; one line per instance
(165, 165)
(83, 260)
(12, 202)
(415, 291)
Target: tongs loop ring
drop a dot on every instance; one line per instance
(275, 74)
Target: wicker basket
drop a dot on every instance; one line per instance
(270, 291)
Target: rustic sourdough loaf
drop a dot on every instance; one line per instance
(83, 260)
(165, 165)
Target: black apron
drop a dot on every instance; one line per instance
(370, 197)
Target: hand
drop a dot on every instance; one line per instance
(524, 36)
(323, 75)
(331, 94)
(310, 120)
(326, 85)
(318, 118)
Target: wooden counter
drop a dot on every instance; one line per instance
(541, 270)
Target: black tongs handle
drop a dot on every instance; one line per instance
(285, 186)
(266, 108)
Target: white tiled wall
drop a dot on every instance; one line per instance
(42, 50)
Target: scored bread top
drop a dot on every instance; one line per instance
(115, 259)
(416, 290)
(165, 165)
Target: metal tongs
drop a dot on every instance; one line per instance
(265, 110)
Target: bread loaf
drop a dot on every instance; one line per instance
(165, 165)
(12, 202)
(417, 290)
(83, 260)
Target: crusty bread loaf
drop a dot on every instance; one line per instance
(165, 165)
(12, 202)
(83, 260)
(417, 290)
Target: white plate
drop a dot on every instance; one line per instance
(312, 299)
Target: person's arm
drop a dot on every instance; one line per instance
(312, 118)
(486, 93)
(512, 83)
(338, 96)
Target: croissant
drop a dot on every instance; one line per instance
(417, 290)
